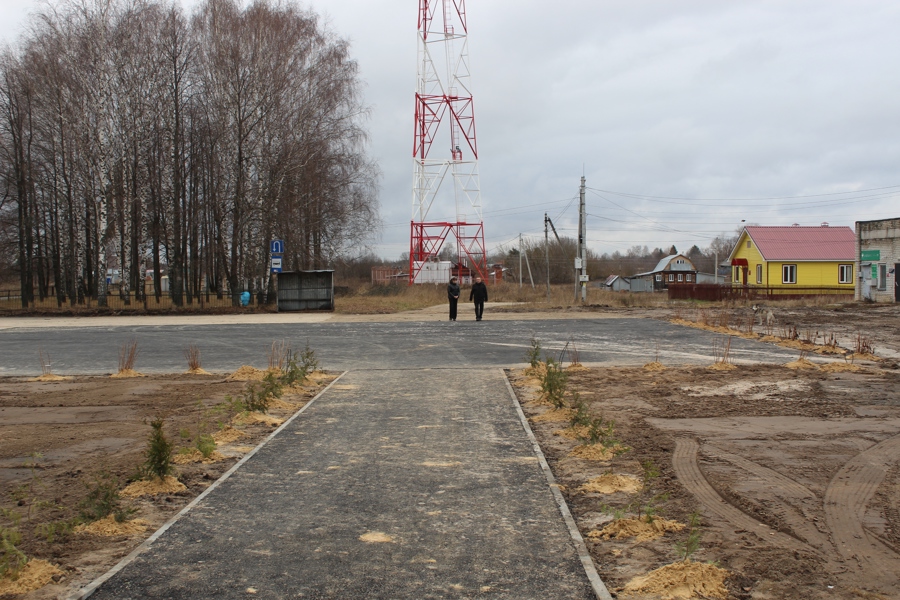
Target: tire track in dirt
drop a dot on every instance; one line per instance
(777, 480)
(684, 462)
(779, 489)
(846, 498)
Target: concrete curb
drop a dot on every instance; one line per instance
(89, 589)
(580, 547)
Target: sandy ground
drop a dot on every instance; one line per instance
(795, 473)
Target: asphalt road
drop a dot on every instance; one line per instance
(343, 346)
(393, 484)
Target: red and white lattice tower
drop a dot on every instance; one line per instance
(443, 95)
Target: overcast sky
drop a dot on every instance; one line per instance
(685, 117)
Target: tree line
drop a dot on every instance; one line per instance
(134, 137)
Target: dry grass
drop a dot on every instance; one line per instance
(278, 356)
(722, 351)
(45, 362)
(385, 299)
(127, 355)
(192, 355)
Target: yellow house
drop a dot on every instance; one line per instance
(795, 260)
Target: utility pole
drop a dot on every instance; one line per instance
(548, 220)
(520, 260)
(547, 252)
(716, 268)
(582, 242)
(528, 264)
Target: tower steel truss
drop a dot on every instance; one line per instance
(443, 94)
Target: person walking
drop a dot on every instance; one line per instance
(479, 296)
(453, 296)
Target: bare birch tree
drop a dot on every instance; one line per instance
(135, 138)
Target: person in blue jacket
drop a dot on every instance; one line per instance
(479, 296)
(453, 296)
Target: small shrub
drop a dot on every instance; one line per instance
(651, 471)
(259, 395)
(580, 415)
(103, 500)
(616, 512)
(649, 509)
(533, 354)
(12, 560)
(206, 445)
(28, 493)
(298, 365)
(601, 433)
(553, 383)
(158, 456)
(57, 530)
(690, 545)
(233, 405)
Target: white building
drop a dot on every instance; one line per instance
(878, 256)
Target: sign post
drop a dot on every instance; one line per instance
(276, 249)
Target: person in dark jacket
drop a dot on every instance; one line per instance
(479, 296)
(453, 296)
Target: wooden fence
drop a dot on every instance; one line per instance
(10, 300)
(715, 292)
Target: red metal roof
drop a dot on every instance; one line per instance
(804, 243)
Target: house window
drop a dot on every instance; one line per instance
(687, 278)
(882, 277)
(680, 277)
(845, 273)
(758, 273)
(737, 274)
(671, 277)
(748, 243)
(788, 273)
(658, 277)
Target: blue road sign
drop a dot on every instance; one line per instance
(276, 264)
(276, 247)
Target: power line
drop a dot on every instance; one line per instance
(896, 189)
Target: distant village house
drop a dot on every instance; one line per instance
(795, 260)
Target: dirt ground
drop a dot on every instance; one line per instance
(794, 474)
(59, 437)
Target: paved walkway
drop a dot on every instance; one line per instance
(392, 484)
